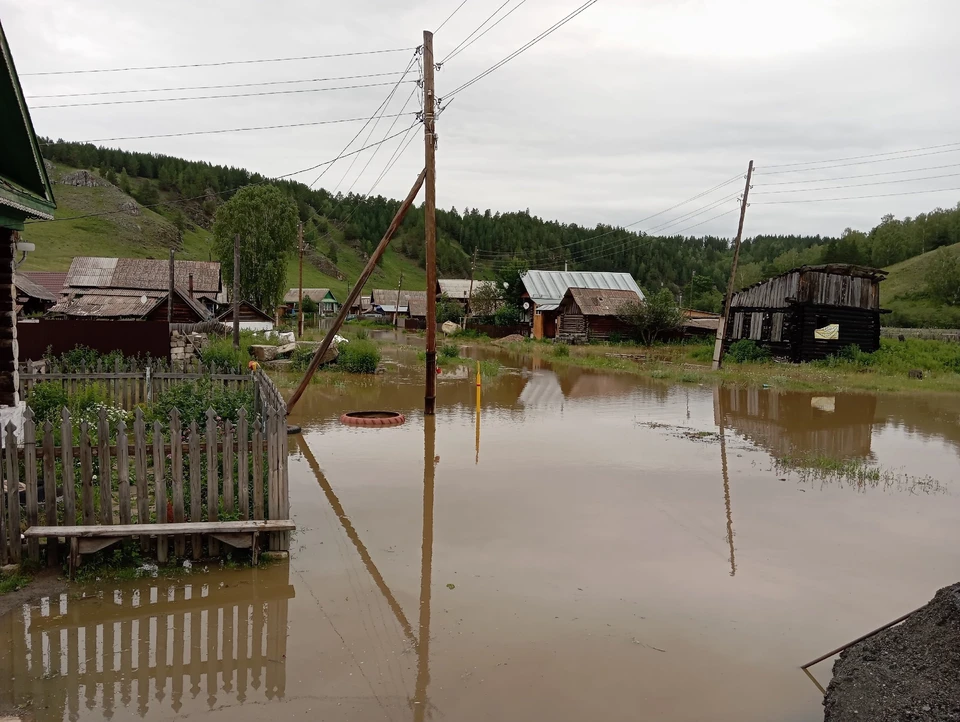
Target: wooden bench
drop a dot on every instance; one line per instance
(90, 539)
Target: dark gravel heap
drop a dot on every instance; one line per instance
(910, 673)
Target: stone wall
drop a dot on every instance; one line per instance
(185, 347)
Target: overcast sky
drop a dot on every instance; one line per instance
(632, 107)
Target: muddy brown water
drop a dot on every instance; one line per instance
(589, 547)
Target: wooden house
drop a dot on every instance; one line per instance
(592, 314)
(251, 317)
(129, 305)
(323, 297)
(25, 194)
(544, 290)
(810, 312)
(32, 298)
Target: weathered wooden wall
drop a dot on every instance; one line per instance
(816, 287)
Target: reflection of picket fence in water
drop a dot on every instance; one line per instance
(146, 645)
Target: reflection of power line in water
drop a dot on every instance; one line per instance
(162, 633)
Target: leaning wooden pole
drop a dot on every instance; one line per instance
(725, 316)
(355, 292)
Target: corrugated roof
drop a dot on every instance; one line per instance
(548, 287)
(417, 307)
(119, 303)
(53, 281)
(456, 288)
(601, 301)
(392, 308)
(27, 287)
(228, 314)
(380, 296)
(142, 274)
(316, 294)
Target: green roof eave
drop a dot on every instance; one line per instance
(24, 185)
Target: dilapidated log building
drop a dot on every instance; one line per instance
(810, 312)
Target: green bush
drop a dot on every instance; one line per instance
(561, 350)
(747, 351)
(449, 350)
(221, 353)
(192, 400)
(301, 358)
(47, 400)
(85, 357)
(361, 334)
(507, 315)
(359, 357)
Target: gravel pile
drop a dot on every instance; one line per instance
(910, 673)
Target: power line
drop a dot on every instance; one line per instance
(516, 7)
(219, 63)
(860, 162)
(211, 87)
(377, 149)
(862, 175)
(859, 157)
(857, 198)
(475, 31)
(556, 26)
(215, 97)
(231, 190)
(719, 215)
(693, 214)
(229, 130)
(440, 27)
(860, 185)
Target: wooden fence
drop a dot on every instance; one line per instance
(150, 642)
(126, 385)
(99, 472)
(937, 334)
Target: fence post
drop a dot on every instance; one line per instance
(3, 518)
(66, 454)
(213, 484)
(104, 469)
(149, 385)
(176, 472)
(140, 468)
(123, 473)
(160, 486)
(13, 494)
(30, 479)
(243, 473)
(195, 507)
(257, 469)
(228, 467)
(86, 475)
(50, 490)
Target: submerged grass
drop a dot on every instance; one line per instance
(855, 473)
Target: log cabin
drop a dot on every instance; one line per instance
(810, 312)
(592, 314)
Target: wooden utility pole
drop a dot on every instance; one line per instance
(300, 296)
(430, 220)
(170, 294)
(355, 293)
(396, 309)
(725, 317)
(236, 291)
(473, 268)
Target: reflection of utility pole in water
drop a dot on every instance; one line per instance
(420, 699)
(477, 460)
(718, 412)
(355, 538)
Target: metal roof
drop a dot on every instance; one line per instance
(315, 294)
(143, 274)
(120, 303)
(379, 296)
(457, 288)
(548, 287)
(53, 281)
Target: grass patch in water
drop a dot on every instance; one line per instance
(14, 582)
(489, 368)
(856, 473)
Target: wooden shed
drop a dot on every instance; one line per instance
(591, 314)
(810, 312)
(251, 317)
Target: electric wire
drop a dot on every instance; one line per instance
(858, 198)
(859, 185)
(210, 87)
(556, 26)
(219, 63)
(860, 157)
(440, 27)
(139, 101)
(475, 31)
(859, 162)
(454, 54)
(862, 175)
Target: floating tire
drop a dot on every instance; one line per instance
(372, 419)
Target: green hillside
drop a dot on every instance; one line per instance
(905, 294)
(148, 234)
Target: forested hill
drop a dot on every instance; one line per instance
(189, 192)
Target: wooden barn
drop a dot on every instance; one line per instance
(591, 314)
(810, 312)
(251, 317)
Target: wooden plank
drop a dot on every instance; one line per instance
(140, 470)
(243, 473)
(195, 507)
(160, 485)
(123, 474)
(176, 472)
(86, 475)
(30, 479)
(127, 530)
(213, 483)
(4, 559)
(257, 470)
(273, 489)
(104, 469)
(13, 494)
(284, 480)
(228, 504)
(131, 449)
(50, 493)
(66, 471)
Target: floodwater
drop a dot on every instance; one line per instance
(587, 547)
